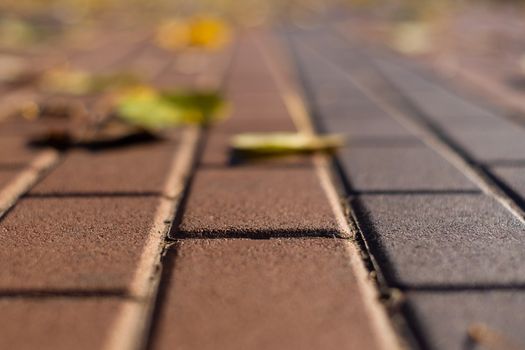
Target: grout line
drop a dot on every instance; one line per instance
(27, 178)
(134, 325)
(297, 108)
(133, 321)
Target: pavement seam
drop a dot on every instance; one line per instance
(390, 296)
(132, 325)
(42, 163)
(298, 110)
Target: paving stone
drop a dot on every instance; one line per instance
(513, 177)
(7, 175)
(443, 239)
(73, 243)
(254, 202)
(56, 323)
(15, 151)
(277, 294)
(444, 318)
(401, 169)
(140, 169)
(492, 145)
(378, 127)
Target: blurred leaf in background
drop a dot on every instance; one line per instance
(155, 110)
(202, 31)
(284, 143)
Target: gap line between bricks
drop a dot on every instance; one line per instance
(296, 106)
(134, 322)
(433, 141)
(27, 178)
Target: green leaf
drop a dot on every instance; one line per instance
(150, 109)
(285, 142)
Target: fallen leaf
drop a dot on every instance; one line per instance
(66, 80)
(154, 110)
(203, 31)
(284, 142)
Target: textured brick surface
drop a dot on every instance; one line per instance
(73, 243)
(401, 168)
(444, 239)
(444, 318)
(253, 201)
(262, 294)
(56, 323)
(133, 170)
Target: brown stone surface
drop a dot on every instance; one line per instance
(262, 294)
(73, 243)
(254, 201)
(136, 169)
(7, 175)
(56, 323)
(15, 151)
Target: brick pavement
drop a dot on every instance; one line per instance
(410, 237)
(442, 218)
(177, 244)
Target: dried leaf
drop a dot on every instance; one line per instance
(66, 80)
(204, 31)
(284, 142)
(154, 110)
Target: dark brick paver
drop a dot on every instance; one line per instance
(452, 250)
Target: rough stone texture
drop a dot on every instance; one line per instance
(131, 170)
(401, 168)
(252, 202)
(443, 239)
(73, 243)
(262, 294)
(59, 323)
(444, 318)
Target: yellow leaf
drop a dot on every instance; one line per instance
(285, 142)
(206, 32)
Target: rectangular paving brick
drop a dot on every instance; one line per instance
(16, 151)
(254, 201)
(412, 168)
(444, 318)
(56, 323)
(262, 294)
(443, 239)
(137, 169)
(8, 174)
(492, 145)
(73, 243)
(512, 177)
